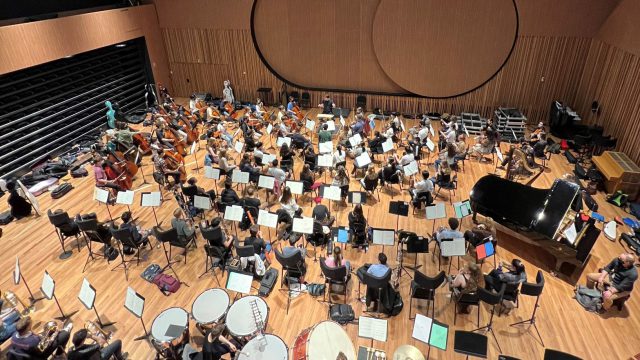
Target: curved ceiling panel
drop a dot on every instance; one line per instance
(439, 48)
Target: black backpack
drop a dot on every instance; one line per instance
(342, 313)
(268, 281)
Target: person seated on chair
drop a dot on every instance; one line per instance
(214, 347)
(391, 174)
(375, 144)
(443, 176)
(250, 199)
(139, 236)
(358, 227)
(484, 145)
(288, 202)
(336, 260)
(225, 241)
(480, 232)
(292, 249)
(308, 179)
(515, 274)
(321, 213)
(341, 180)
(255, 239)
(310, 157)
(228, 195)
(615, 280)
(450, 233)
(82, 351)
(211, 194)
(8, 320)
(447, 155)
(25, 342)
(407, 158)
(540, 146)
(299, 141)
(20, 207)
(245, 166)
(461, 148)
(339, 157)
(370, 180)
(211, 157)
(184, 229)
(508, 157)
(421, 191)
(324, 135)
(377, 270)
(225, 163)
(465, 282)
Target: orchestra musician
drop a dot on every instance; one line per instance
(34, 346)
(100, 349)
(327, 105)
(537, 134)
(19, 206)
(291, 106)
(8, 319)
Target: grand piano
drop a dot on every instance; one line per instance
(539, 217)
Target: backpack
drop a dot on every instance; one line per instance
(79, 172)
(342, 313)
(570, 157)
(398, 304)
(316, 290)
(268, 281)
(111, 253)
(150, 272)
(6, 218)
(580, 172)
(634, 209)
(618, 199)
(590, 299)
(166, 283)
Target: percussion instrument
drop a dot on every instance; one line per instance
(209, 307)
(240, 321)
(264, 347)
(170, 328)
(324, 340)
(407, 352)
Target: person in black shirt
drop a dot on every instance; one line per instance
(256, 240)
(214, 347)
(228, 195)
(137, 236)
(20, 207)
(327, 105)
(321, 213)
(251, 200)
(82, 351)
(245, 166)
(615, 280)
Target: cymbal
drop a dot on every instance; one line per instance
(407, 352)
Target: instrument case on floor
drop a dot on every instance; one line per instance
(61, 190)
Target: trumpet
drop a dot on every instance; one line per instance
(14, 300)
(96, 332)
(49, 333)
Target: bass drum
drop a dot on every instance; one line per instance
(266, 347)
(323, 341)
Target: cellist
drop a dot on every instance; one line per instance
(291, 106)
(105, 176)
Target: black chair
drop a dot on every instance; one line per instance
(377, 284)
(358, 232)
(451, 186)
(415, 245)
(170, 237)
(295, 95)
(583, 146)
(125, 238)
(249, 252)
(305, 100)
(469, 299)
(361, 101)
(470, 343)
(89, 228)
(65, 228)
(334, 276)
(505, 357)
(214, 257)
(16, 355)
(424, 287)
(492, 299)
(550, 354)
(529, 289)
(371, 186)
(511, 292)
(286, 165)
(293, 268)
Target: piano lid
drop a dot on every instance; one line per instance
(556, 205)
(507, 200)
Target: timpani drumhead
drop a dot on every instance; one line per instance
(269, 348)
(327, 340)
(171, 318)
(240, 320)
(210, 306)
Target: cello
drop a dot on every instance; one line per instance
(121, 179)
(178, 144)
(190, 130)
(175, 162)
(121, 164)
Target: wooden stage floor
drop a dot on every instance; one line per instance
(563, 323)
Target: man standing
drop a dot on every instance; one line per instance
(227, 93)
(327, 105)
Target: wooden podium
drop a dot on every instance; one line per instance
(620, 173)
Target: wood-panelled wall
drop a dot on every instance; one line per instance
(200, 59)
(612, 77)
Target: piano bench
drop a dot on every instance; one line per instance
(619, 302)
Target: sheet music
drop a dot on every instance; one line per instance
(48, 285)
(296, 187)
(101, 195)
(283, 140)
(571, 233)
(125, 197)
(411, 168)
(430, 145)
(422, 328)
(269, 129)
(372, 328)
(363, 160)
(499, 154)
(332, 193)
(356, 198)
(310, 124)
(355, 140)
(387, 145)
(325, 160)
(266, 182)
(234, 213)
(433, 133)
(211, 173)
(436, 211)
(383, 237)
(455, 247)
(134, 302)
(239, 282)
(16, 272)
(325, 147)
(303, 225)
(193, 147)
(240, 177)
(202, 202)
(236, 133)
(87, 295)
(151, 199)
(268, 158)
(331, 125)
(462, 209)
(342, 119)
(439, 334)
(238, 146)
(267, 219)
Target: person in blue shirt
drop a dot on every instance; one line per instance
(290, 105)
(451, 233)
(380, 269)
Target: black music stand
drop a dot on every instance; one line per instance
(399, 208)
(415, 245)
(136, 312)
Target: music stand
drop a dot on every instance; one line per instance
(239, 282)
(399, 208)
(415, 245)
(87, 297)
(17, 275)
(357, 197)
(383, 237)
(144, 179)
(211, 172)
(194, 151)
(102, 195)
(134, 302)
(152, 200)
(48, 289)
(434, 212)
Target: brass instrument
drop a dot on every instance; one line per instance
(48, 335)
(14, 300)
(96, 332)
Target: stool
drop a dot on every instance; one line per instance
(619, 302)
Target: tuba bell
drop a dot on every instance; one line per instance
(49, 333)
(97, 332)
(14, 300)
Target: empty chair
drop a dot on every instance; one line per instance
(65, 228)
(424, 287)
(89, 227)
(293, 269)
(492, 299)
(530, 289)
(361, 101)
(305, 100)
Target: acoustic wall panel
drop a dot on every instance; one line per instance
(47, 108)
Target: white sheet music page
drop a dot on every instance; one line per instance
(101, 195)
(202, 202)
(422, 328)
(372, 328)
(283, 140)
(268, 158)
(325, 160)
(310, 124)
(133, 302)
(325, 147)
(332, 193)
(455, 247)
(125, 197)
(211, 173)
(303, 225)
(363, 160)
(331, 125)
(387, 145)
(266, 182)
(411, 168)
(267, 219)
(296, 187)
(430, 145)
(48, 285)
(240, 177)
(87, 295)
(151, 199)
(437, 211)
(233, 213)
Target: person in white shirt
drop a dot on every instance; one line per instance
(421, 190)
(407, 158)
(227, 92)
(280, 177)
(283, 129)
(192, 103)
(339, 157)
(388, 133)
(288, 202)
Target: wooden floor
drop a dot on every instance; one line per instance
(563, 323)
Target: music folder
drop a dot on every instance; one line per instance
(357, 197)
(399, 208)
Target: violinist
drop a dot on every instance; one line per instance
(327, 105)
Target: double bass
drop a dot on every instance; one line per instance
(142, 143)
(178, 143)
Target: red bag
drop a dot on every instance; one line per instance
(166, 283)
(564, 145)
